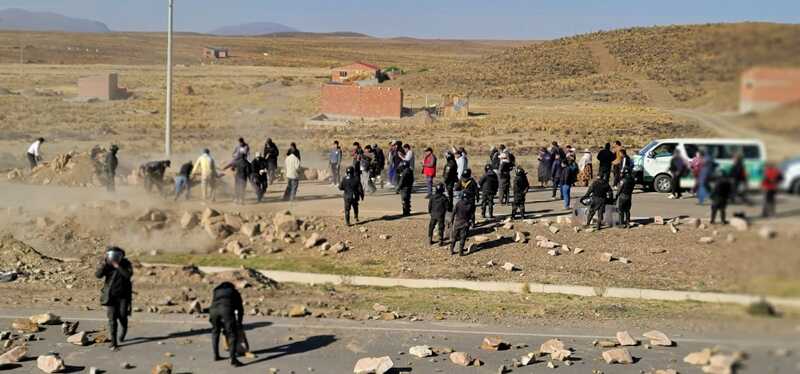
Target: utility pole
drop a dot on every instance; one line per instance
(168, 130)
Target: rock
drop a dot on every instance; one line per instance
(693, 222)
(577, 251)
(5, 335)
(50, 363)
(189, 220)
(312, 241)
(208, 213)
(384, 237)
(561, 355)
(480, 239)
(706, 240)
(510, 267)
(564, 220)
(698, 358)
(720, 364)
(164, 368)
(494, 343)
(730, 238)
(234, 247)
(605, 343)
(738, 223)
(250, 230)
(520, 237)
(551, 365)
(234, 221)
(508, 226)
(285, 222)
(527, 359)
(339, 247)
(217, 231)
(157, 216)
(373, 365)
(79, 339)
(552, 345)
(666, 371)
(14, 355)
(380, 308)
(420, 351)
(46, 319)
(658, 338)
(553, 252)
(626, 339)
(767, 232)
(606, 257)
(461, 358)
(127, 366)
(43, 222)
(673, 228)
(554, 229)
(618, 356)
(298, 311)
(94, 370)
(25, 326)
(658, 220)
(195, 307)
(624, 260)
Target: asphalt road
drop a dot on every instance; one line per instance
(333, 346)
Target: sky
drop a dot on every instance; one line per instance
(486, 19)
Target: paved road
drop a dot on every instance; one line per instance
(333, 346)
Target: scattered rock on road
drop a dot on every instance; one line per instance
(164, 368)
(461, 358)
(510, 267)
(25, 326)
(618, 356)
(494, 343)
(373, 365)
(552, 345)
(50, 363)
(720, 364)
(46, 319)
(420, 351)
(698, 358)
(767, 232)
(625, 339)
(738, 223)
(658, 338)
(14, 355)
(79, 339)
(298, 311)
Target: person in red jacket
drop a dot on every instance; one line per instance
(772, 179)
(429, 170)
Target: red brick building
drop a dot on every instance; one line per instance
(352, 101)
(103, 87)
(765, 88)
(357, 71)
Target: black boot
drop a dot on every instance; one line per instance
(215, 346)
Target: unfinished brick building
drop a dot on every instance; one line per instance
(216, 52)
(103, 87)
(355, 72)
(768, 88)
(352, 101)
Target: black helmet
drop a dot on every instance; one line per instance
(440, 189)
(403, 164)
(467, 173)
(520, 171)
(350, 171)
(487, 167)
(114, 254)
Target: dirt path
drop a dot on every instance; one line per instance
(658, 95)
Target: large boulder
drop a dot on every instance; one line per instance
(189, 220)
(373, 365)
(234, 221)
(626, 339)
(25, 326)
(658, 338)
(461, 358)
(208, 214)
(218, 231)
(14, 355)
(551, 346)
(285, 222)
(50, 363)
(618, 356)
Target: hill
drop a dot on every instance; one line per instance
(253, 29)
(693, 63)
(23, 20)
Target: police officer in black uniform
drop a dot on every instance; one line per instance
(226, 313)
(259, 176)
(450, 174)
(599, 193)
(111, 167)
(438, 207)
(625, 198)
(353, 192)
(463, 217)
(404, 186)
(488, 185)
(521, 186)
(117, 292)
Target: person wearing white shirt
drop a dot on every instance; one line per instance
(33, 153)
(292, 176)
(408, 156)
(461, 161)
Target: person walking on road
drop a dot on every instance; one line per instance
(111, 164)
(772, 179)
(555, 175)
(521, 185)
(259, 176)
(207, 168)
(353, 192)
(429, 170)
(566, 179)
(405, 184)
(292, 164)
(719, 198)
(117, 292)
(463, 217)
(271, 153)
(545, 166)
(226, 314)
(438, 207)
(739, 180)
(678, 169)
(335, 160)
(242, 170)
(33, 154)
(504, 166)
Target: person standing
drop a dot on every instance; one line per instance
(566, 179)
(616, 165)
(504, 166)
(467, 189)
(365, 167)
(625, 198)
(544, 167)
(111, 164)
(463, 216)
(183, 181)
(259, 176)
(117, 292)
(271, 153)
(719, 198)
(605, 157)
(242, 170)
(429, 170)
(356, 154)
(772, 179)
(599, 193)
(555, 174)
(243, 149)
(702, 183)
(409, 157)
(391, 173)
(379, 161)
(405, 184)
(292, 164)
(739, 180)
(488, 186)
(226, 313)
(450, 174)
(335, 160)
(585, 173)
(294, 150)
(438, 207)
(461, 161)
(353, 192)
(206, 167)
(521, 185)
(33, 154)
(696, 166)
(677, 168)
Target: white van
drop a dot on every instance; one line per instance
(651, 164)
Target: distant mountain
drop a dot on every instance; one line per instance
(20, 19)
(254, 28)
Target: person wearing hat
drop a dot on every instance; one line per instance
(117, 292)
(467, 189)
(429, 170)
(353, 192)
(521, 185)
(111, 167)
(405, 184)
(625, 197)
(33, 153)
(206, 167)
(226, 313)
(488, 185)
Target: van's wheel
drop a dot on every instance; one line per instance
(663, 183)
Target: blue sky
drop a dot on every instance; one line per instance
(491, 19)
